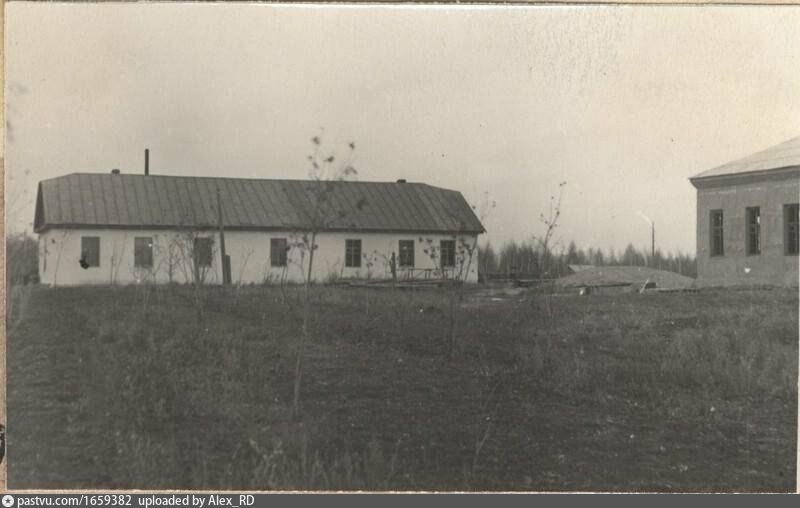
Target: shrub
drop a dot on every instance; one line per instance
(22, 259)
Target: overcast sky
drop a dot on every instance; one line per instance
(624, 103)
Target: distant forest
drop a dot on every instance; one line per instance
(526, 260)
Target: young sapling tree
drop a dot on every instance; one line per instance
(546, 244)
(325, 173)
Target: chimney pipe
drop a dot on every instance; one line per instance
(146, 161)
(401, 180)
(115, 171)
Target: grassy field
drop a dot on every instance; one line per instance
(125, 387)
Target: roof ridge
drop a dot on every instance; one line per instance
(206, 177)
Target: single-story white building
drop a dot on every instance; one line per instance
(125, 228)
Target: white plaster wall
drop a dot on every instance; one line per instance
(60, 251)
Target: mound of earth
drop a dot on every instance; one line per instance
(599, 276)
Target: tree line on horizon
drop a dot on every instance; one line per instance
(526, 260)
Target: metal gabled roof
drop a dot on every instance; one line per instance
(155, 201)
(783, 155)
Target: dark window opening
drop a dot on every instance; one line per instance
(791, 229)
(90, 251)
(143, 252)
(717, 238)
(407, 253)
(278, 249)
(352, 253)
(447, 253)
(753, 231)
(203, 254)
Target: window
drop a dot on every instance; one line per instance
(753, 216)
(352, 253)
(202, 252)
(447, 251)
(90, 251)
(717, 239)
(277, 251)
(791, 227)
(143, 252)
(407, 253)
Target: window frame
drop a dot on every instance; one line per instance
(84, 247)
(715, 229)
(206, 261)
(352, 253)
(278, 252)
(403, 248)
(752, 230)
(137, 249)
(451, 258)
(791, 227)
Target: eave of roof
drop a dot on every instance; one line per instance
(744, 178)
(287, 229)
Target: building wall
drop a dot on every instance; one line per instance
(60, 252)
(772, 266)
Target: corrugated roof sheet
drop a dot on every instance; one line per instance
(155, 201)
(784, 155)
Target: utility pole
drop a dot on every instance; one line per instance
(226, 263)
(652, 235)
(653, 231)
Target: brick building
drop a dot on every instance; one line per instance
(747, 219)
